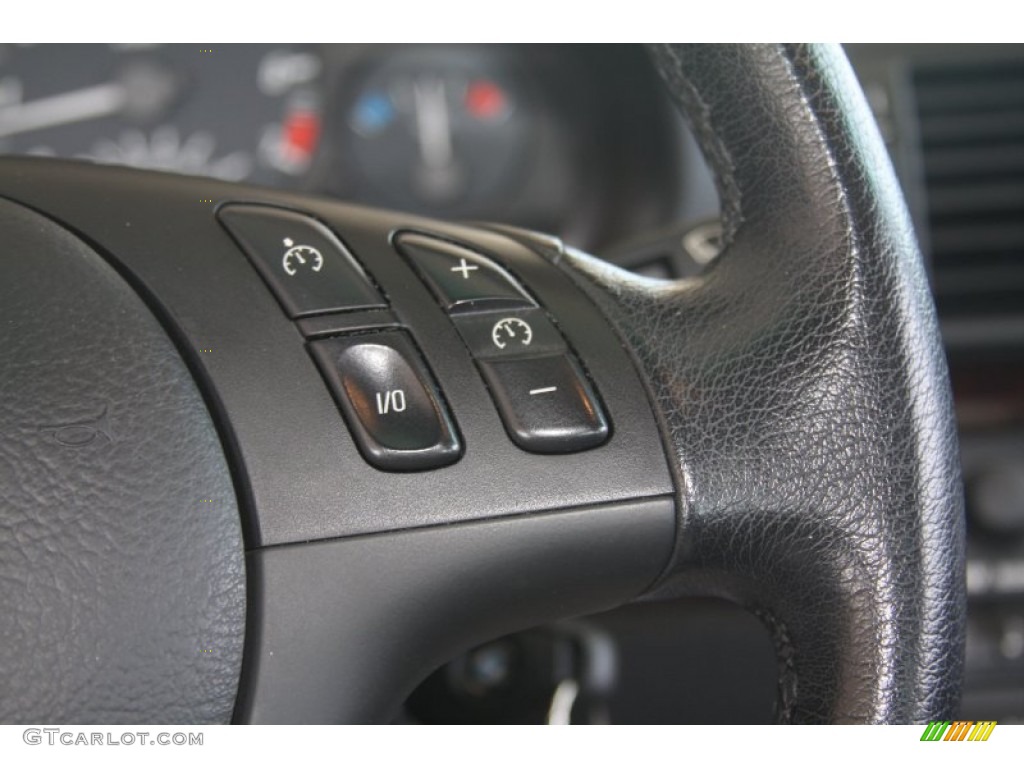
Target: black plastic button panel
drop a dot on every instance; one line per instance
(306, 266)
(462, 280)
(543, 397)
(389, 400)
(546, 403)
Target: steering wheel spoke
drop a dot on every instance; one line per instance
(346, 628)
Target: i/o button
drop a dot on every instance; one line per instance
(389, 400)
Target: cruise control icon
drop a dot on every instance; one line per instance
(511, 330)
(300, 257)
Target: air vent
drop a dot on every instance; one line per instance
(971, 123)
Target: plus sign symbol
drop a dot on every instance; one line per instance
(465, 268)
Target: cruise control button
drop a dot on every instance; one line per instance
(546, 403)
(389, 400)
(509, 334)
(462, 280)
(305, 265)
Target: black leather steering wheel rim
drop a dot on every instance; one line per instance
(799, 387)
(804, 393)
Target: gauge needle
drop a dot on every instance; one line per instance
(433, 127)
(143, 91)
(71, 107)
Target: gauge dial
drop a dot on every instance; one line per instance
(301, 257)
(164, 107)
(511, 330)
(438, 129)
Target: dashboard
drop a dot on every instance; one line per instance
(580, 141)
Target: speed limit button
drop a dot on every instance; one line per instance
(389, 400)
(305, 265)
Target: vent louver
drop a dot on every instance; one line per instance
(971, 128)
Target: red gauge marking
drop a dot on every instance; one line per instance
(485, 100)
(302, 132)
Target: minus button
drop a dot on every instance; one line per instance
(562, 417)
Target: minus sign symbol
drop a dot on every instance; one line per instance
(542, 390)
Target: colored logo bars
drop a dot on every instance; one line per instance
(958, 730)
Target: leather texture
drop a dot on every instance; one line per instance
(122, 581)
(802, 388)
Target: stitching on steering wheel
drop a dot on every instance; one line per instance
(698, 114)
(784, 652)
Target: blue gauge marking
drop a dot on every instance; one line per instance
(373, 113)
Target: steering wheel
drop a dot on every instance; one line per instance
(210, 514)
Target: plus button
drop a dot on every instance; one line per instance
(465, 268)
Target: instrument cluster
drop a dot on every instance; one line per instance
(566, 139)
